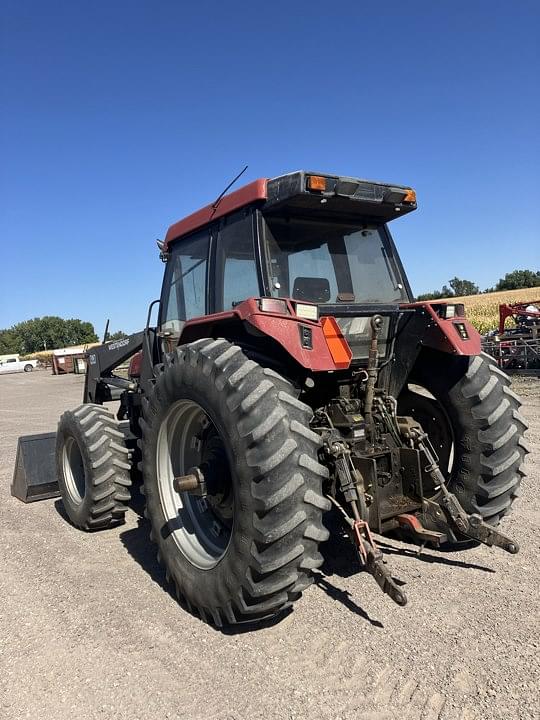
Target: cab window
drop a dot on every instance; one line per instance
(236, 270)
(184, 284)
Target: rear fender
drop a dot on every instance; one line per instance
(455, 336)
(303, 340)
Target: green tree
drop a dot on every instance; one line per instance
(457, 287)
(46, 333)
(10, 342)
(519, 279)
(434, 295)
(79, 332)
(118, 335)
(463, 287)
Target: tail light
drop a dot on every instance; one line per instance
(274, 305)
(447, 312)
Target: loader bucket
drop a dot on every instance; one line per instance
(34, 477)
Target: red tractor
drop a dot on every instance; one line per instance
(290, 372)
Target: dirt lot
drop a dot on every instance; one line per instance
(88, 629)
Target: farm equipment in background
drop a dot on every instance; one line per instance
(290, 372)
(517, 349)
(526, 315)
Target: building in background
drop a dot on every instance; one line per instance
(70, 359)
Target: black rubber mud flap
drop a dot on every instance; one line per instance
(34, 477)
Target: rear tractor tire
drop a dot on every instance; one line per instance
(474, 423)
(93, 467)
(246, 550)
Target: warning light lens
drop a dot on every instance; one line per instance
(316, 182)
(410, 197)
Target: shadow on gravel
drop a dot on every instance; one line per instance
(137, 543)
(254, 626)
(340, 556)
(439, 558)
(344, 597)
(59, 507)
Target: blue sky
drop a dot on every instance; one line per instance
(118, 118)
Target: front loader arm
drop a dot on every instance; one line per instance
(101, 361)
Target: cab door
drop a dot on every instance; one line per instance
(184, 290)
(235, 275)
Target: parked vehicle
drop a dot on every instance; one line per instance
(290, 371)
(12, 365)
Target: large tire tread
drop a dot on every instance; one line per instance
(503, 448)
(490, 445)
(277, 548)
(107, 467)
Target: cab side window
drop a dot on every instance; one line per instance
(184, 284)
(236, 270)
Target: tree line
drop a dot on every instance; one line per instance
(48, 333)
(514, 280)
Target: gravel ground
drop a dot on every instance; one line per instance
(88, 628)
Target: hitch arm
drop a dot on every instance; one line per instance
(473, 526)
(372, 559)
(370, 556)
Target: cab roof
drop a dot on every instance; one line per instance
(305, 191)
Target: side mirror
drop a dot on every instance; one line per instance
(163, 256)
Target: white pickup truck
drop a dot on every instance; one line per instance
(15, 365)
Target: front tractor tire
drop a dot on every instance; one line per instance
(93, 467)
(245, 550)
(474, 423)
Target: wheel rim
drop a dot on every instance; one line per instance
(73, 466)
(200, 527)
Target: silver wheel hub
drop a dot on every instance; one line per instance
(73, 467)
(200, 526)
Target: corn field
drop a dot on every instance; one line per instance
(483, 310)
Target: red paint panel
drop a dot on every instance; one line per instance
(442, 334)
(229, 203)
(284, 329)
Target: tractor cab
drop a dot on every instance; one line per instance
(318, 241)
